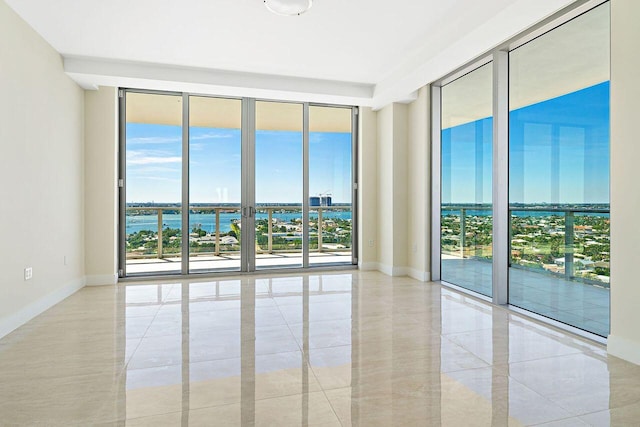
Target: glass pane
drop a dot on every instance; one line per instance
(330, 215)
(215, 146)
(559, 173)
(278, 157)
(466, 210)
(154, 183)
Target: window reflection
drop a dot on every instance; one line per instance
(466, 210)
(559, 173)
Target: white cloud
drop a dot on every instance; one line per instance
(151, 157)
(175, 139)
(211, 136)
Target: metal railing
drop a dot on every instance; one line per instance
(269, 210)
(569, 227)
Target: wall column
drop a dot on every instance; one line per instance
(624, 340)
(100, 190)
(392, 189)
(367, 188)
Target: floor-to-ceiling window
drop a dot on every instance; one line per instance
(559, 173)
(246, 170)
(523, 172)
(466, 205)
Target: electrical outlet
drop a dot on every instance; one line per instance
(64, 260)
(371, 243)
(415, 248)
(28, 273)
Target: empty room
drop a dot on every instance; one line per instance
(319, 213)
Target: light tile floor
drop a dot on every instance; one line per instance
(342, 348)
(577, 304)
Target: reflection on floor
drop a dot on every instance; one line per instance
(232, 262)
(347, 348)
(577, 304)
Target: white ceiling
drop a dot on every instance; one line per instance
(346, 51)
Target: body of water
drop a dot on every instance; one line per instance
(517, 213)
(207, 221)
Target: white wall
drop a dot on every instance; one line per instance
(624, 340)
(418, 186)
(41, 211)
(100, 192)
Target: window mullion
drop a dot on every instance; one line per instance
(500, 177)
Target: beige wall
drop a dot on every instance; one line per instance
(101, 204)
(418, 186)
(403, 184)
(392, 189)
(400, 195)
(41, 213)
(624, 340)
(367, 189)
(384, 184)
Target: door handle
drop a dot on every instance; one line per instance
(248, 212)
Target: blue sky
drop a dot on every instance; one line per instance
(154, 162)
(558, 153)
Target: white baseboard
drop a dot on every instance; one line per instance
(386, 269)
(399, 271)
(101, 279)
(624, 348)
(393, 271)
(15, 320)
(423, 276)
(368, 266)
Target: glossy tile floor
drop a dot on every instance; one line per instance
(343, 348)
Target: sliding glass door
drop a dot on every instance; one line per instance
(330, 185)
(152, 216)
(245, 169)
(215, 177)
(279, 184)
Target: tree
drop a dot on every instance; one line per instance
(235, 231)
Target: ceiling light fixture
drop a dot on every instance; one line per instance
(288, 7)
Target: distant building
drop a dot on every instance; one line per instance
(323, 200)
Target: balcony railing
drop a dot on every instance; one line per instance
(568, 215)
(268, 247)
